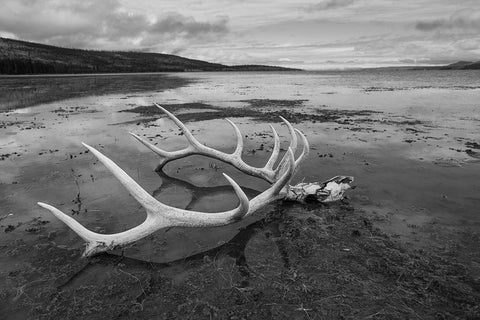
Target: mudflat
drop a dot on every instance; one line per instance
(403, 244)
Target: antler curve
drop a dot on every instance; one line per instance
(161, 216)
(267, 173)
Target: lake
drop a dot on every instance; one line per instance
(409, 137)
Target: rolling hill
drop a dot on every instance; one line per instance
(21, 57)
(463, 65)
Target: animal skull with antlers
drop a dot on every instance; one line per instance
(161, 216)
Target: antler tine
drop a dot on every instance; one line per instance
(83, 232)
(142, 196)
(305, 150)
(166, 156)
(293, 141)
(159, 215)
(239, 149)
(244, 205)
(293, 136)
(282, 166)
(160, 152)
(287, 175)
(194, 142)
(277, 190)
(275, 152)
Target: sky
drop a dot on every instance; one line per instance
(307, 34)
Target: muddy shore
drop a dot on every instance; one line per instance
(296, 263)
(362, 258)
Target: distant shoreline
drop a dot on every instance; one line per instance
(118, 74)
(27, 58)
(22, 57)
(173, 73)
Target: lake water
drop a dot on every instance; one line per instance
(409, 159)
(410, 139)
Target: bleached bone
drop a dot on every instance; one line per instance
(328, 191)
(267, 173)
(161, 216)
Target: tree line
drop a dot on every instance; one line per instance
(30, 66)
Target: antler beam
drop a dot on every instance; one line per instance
(161, 216)
(267, 173)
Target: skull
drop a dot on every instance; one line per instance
(327, 191)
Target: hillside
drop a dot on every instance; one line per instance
(21, 57)
(463, 65)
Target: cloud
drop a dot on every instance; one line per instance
(103, 25)
(6, 34)
(307, 32)
(461, 21)
(329, 4)
(178, 24)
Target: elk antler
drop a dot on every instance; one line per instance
(327, 191)
(267, 173)
(161, 216)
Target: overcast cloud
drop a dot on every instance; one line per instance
(329, 4)
(460, 21)
(301, 33)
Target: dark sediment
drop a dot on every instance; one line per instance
(260, 110)
(265, 103)
(297, 263)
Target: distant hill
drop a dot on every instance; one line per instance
(462, 65)
(21, 57)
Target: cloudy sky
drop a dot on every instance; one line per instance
(304, 33)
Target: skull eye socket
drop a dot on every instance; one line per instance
(314, 198)
(345, 180)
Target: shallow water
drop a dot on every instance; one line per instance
(409, 159)
(431, 172)
(25, 91)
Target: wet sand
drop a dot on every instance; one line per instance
(415, 207)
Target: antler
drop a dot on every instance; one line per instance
(267, 173)
(161, 216)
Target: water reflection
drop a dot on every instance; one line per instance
(234, 248)
(21, 92)
(197, 192)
